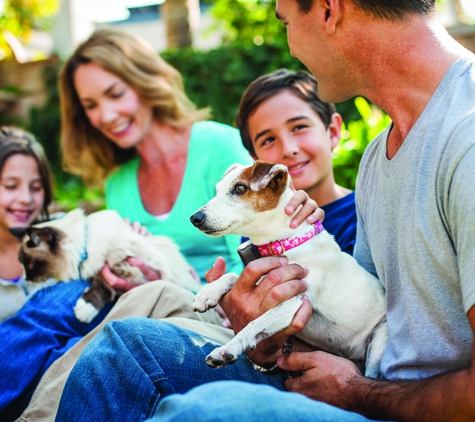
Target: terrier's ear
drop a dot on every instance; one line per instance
(230, 169)
(37, 236)
(266, 174)
(18, 232)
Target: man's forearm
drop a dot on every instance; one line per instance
(446, 397)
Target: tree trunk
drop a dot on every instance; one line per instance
(181, 19)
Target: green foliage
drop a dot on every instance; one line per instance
(355, 137)
(45, 124)
(217, 78)
(249, 21)
(20, 17)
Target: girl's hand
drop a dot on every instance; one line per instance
(309, 210)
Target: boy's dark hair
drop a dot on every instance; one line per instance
(16, 141)
(301, 83)
(386, 9)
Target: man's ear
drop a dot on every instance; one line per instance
(267, 174)
(333, 14)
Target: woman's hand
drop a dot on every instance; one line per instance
(137, 227)
(309, 211)
(121, 283)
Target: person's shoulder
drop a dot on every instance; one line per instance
(340, 221)
(455, 94)
(346, 202)
(213, 133)
(219, 142)
(458, 136)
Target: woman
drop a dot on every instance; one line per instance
(124, 110)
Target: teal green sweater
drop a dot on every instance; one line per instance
(213, 148)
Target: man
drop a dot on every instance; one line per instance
(415, 198)
(416, 231)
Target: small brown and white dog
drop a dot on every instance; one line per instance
(77, 247)
(349, 304)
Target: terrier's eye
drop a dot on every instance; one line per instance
(240, 189)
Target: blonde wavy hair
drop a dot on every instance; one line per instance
(86, 151)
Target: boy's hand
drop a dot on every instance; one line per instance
(309, 211)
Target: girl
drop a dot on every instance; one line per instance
(36, 328)
(25, 193)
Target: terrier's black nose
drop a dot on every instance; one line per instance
(198, 219)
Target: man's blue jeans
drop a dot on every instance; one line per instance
(234, 401)
(31, 340)
(133, 363)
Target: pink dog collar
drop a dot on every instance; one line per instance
(278, 247)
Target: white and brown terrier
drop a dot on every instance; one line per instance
(349, 304)
(76, 247)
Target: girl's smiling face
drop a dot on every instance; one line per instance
(21, 191)
(284, 129)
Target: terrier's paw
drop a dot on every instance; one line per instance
(85, 311)
(205, 299)
(220, 357)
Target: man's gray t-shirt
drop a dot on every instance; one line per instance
(416, 231)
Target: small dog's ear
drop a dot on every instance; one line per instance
(18, 232)
(37, 236)
(230, 169)
(266, 174)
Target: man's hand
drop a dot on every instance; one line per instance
(123, 284)
(309, 211)
(247, 301)
(325, 377)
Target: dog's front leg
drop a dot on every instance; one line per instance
(210, 294)
(273, 321)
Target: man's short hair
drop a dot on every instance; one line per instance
(386, 9)
(301, 83)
